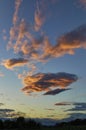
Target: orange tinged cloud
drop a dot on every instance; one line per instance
(11, 63)
(45, 82)
(39, 17)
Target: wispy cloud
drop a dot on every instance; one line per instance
(47, 81)
(1, 104)
(73, 116)
(78, 107)
(1, 74)
(15, 16)
(39, 16)
(83, 2)
(10, 113)
(11, 63)
(42, 49)
(49, 109)
(68, 43)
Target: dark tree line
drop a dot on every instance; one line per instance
(75, 122)
(19, 123)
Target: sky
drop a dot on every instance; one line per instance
(43, 59)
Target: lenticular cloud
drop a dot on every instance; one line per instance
(46, 82)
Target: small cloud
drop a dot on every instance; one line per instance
(63, 104)
(4, 37)
(1, 104)
(47, 82)
(1, 74)
(49, 109)
(4, 31)
(6, 110)
(11, 63)
(54, 92)
(10, 113)
(83, 3)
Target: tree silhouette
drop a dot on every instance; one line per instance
(32, 124)
(20, 122)
(1, 124)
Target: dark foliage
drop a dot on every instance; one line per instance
(21, 123)
(76, 122)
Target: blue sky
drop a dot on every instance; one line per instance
(43, 58)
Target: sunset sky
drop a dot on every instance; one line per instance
(43, 59)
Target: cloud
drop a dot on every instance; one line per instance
(17, 35)
(39, 16)
(67, 44)
(15, 16)
(1, 74)
(10, 113)
(11, 63)
(78, 107)
(4, 113)
(83, 2)
(1, 104)
(73, 116)
(33, 49)
(41, 49)
(63, 104)
(6, 110)
(54, 92)
(49, 109)
(48, 81)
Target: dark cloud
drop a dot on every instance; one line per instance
(10, 113)
(11, 63)
(74, 116)
(7, 110)
(47, 82)
(49, 109)
(54, 92)
(63, 104)
(78, 107)
(1, 104)
(4, 113)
